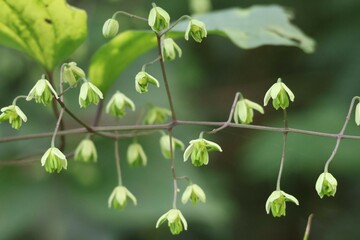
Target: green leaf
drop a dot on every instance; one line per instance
(246, 28)
(47, 30)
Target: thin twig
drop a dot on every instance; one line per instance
(340, 135)
(283, 152)
(143, 68)
(98, 114)
(129, 15)
(168, 92)
(226, 124)
(308, 227)
(172, 167)
(174, 24)
(117, 160)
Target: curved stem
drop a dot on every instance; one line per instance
(117, 160)
(129, 15)
(174, 24)
(283, 152)
(172, 167)
(57, 128)
(226, 124)
(17, 98)
(143, 68)
(340, 135)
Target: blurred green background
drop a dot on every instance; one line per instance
(73, 204)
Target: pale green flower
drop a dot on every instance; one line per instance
(157, 115)
(196, 29)
(136, 155)
(158, 19)
(244, 111)
(89, 94)
(169, 49)
(198, 150)
(277, 203)
(86, 151)
(119, 196)
(14, 114)
(326, 185)
(280, 94)
(165, 145)
(71, 73)
(194, 193)
(110, 28)
(176, 221)
(117, 104)
(357, 114)
(42, 92)
(142, 79)
(53, 160)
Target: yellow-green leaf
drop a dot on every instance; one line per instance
(48, 30)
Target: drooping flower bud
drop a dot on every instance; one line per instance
(119, 196)
(53, 160)
(42, 92)
(158, 19)
(280, 94)
(169, 49)
(14, 114)
(110, 28)
(86, 151)
(277, 203)
(357, 114)
(71, 73)
(194, 193)
(157, 115)
(117, 104)
(176, 221)
(326, 185)
(196, 29)
(142, 79)
(165, 145)
(198, 150)
(136, 155)
(89, 94)
(244, 111)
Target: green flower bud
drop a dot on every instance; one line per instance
(119, 196)
(71, 73)
(326, 185)
(165, 145)
(176, 221)
(193, 193)
(244, 111)
(42, 92)
(89, 94)
(86, 151)
(14, 114)
(357, 114)
(142, 79)
(110, 28)
(280, 94)
(169, 49)
(158, 19)
(198, 149)
(196, 29)
(53, 160)
(157, 115)
(118, 102)
(136, 155)
(277, 203)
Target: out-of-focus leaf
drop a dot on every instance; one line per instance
(246, 28)
(256, 26)
(47, 30)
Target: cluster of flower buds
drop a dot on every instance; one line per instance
(198, 150)
(157, 115)
(277, 203)
(244, 111)
(86, 151)
(165, 145)
(176, 221)
(280, 95)
(136, 155)
(118, 103)
(14, 115)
